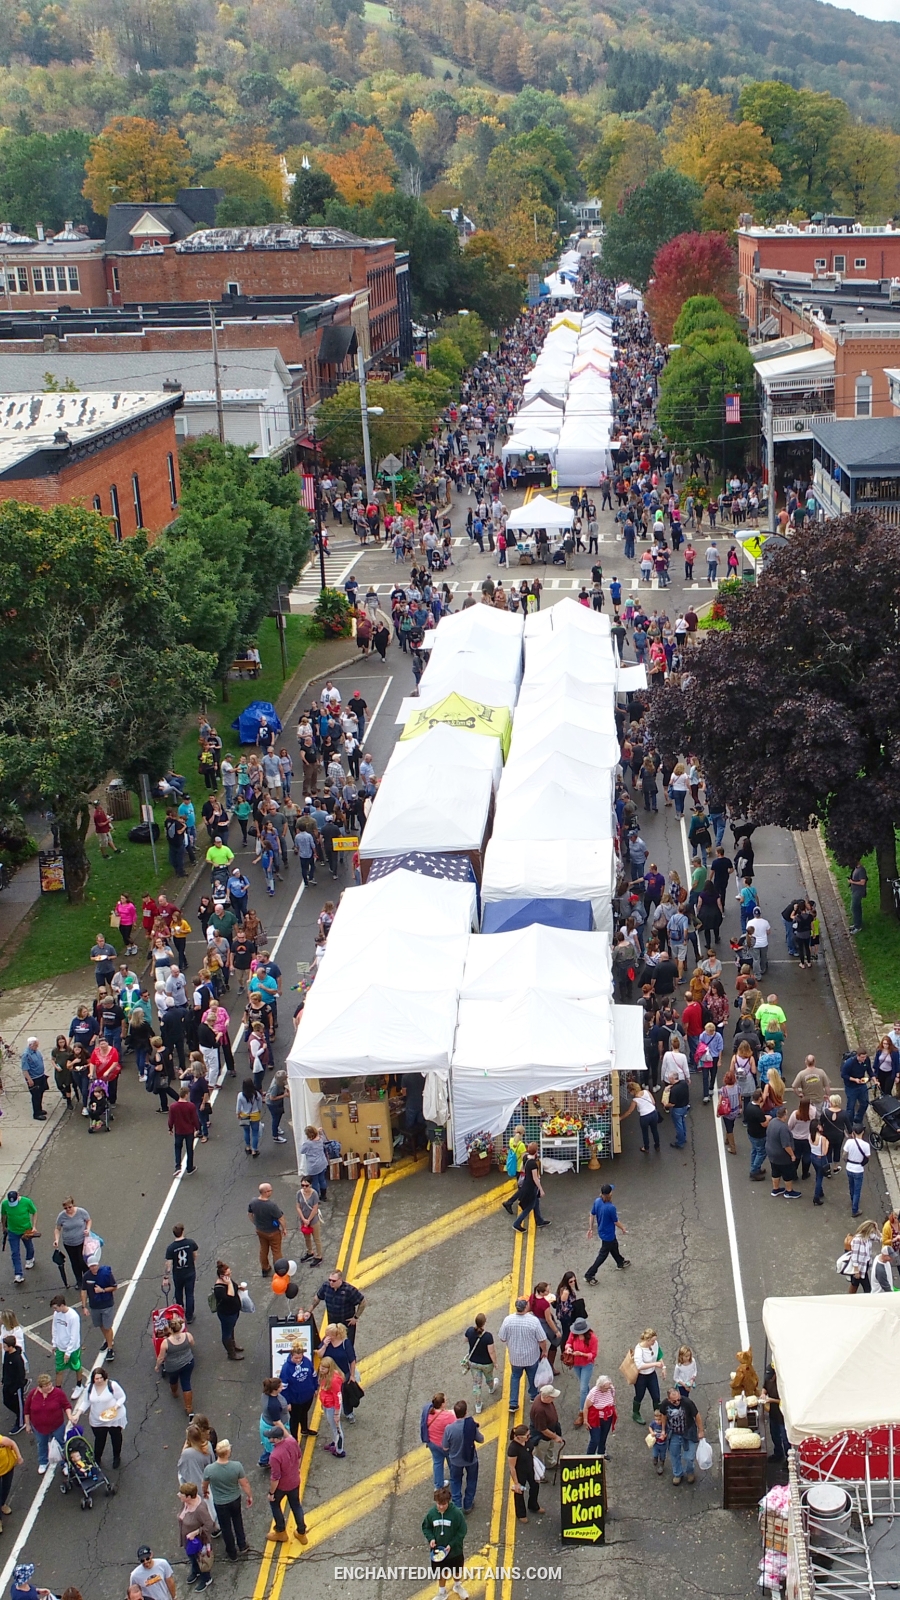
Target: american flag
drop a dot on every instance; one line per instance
(428, 864)
(309, 492)
(732, 408)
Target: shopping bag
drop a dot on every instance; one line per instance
(543, 1374)
(628, 1368)
(704, 1455)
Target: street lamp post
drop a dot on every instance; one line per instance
(365, 413)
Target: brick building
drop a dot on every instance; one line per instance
(115, 453)
(51, 270)
(273, 261)
(833, 250)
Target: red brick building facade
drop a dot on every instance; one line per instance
(769, 257)
(121, 462)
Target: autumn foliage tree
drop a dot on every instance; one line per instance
(362, 166)
(731, 161)
(793, 712)
(134, 159)
(691, 264)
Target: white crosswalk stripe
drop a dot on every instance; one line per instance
(306, 590)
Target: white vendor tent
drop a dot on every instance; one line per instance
(431, 809)
(463, 676)
(524, 1044)
(583, 451)
(825, 1349)
(591, 659)
(483, 628)
(541, 512)
(405, 899)
(550, 737)
(529, 443)
(567, 613)
(372, 1030)
(446, 746)
(550, 810)
(533, 722)
(563, 869)
(557, 960)
(423, 962)
(582, 780)
(567, 686)
(537, 420)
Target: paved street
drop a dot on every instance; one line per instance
(429, 1252)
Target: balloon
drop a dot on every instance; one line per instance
(291, 1292)
(291, 1268)
(281, 1267)
(280, 1283)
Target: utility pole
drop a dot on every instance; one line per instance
(318, 505)
(364, 414)
(220, 410)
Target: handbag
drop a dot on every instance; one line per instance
(351, 1394)
(666, 1096)
(628, 1368)
(723, 1109)
(205, 1558)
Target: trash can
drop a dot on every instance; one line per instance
(118, 800)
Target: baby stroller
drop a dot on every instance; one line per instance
(81, 1473)
(98, 1108)
(888, 1109)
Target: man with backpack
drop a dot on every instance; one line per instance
(176, 839)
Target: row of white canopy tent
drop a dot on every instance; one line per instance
(553, 831)
(566, 411)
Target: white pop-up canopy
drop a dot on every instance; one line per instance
(430, 809)
(533, 722)
(372, 1030)
(825, 1349)
(566, 614)
(550, 810)
(581, 779)
(567, 686)
(543, 401)
(526, 1043)
(541, 512)
(557, 960)
(550, 737)
(405, 899)
(562, 869)
(534, 422)
(483, 628)
(444, 746)
(583, 451)
(588, 657)
(537, 442)
(424, 961)
(470, 675)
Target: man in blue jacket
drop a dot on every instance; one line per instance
(856, 1071)
(299, 1380)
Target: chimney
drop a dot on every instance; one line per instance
(39, 229)
(61, 437)
(67, 225)
(50, 343)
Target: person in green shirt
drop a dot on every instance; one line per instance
(218, 854)
(243, 811)
(445, 1528)
(699, 875)
(772, 1022)
(227, 1479)
(18, 1213)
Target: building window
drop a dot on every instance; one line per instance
(821, 263)
(11, 283)
(23, 280)
(173, 486)
(860, 264)
(97, 503)
(136, 497)
(114, 508)
(232, 288)
(864, 397)
(840, 263)
(74, 284)
(37, 278)
(115, 278)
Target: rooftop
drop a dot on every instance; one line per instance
(824, 227)
(247, 375)
(139, 319)
(862, 445)
(274, 236)
(31, 424)
(846, 305)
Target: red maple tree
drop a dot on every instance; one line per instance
(691, 263)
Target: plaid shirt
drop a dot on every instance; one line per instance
(340, 1303)
(523, 1335)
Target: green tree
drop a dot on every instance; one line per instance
(803, 127)
(703, 311)
(41, 177)
(100, 669)
(448, 358)
(469, 334)
(310, 195)
(692, 394)
(405, 421)
(485, 284)
(666, 205)
(432, 242)
(240, 536)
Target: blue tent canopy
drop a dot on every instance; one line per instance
(246, 726)
(504, 916)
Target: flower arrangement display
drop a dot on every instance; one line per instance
(594, 1139)
(562, 1125)
(479, 1144)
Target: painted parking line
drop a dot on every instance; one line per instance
(428, 1335)
(420, 1240)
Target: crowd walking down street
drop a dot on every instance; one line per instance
(230, 1369)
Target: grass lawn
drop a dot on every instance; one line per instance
(60, 935)
(878, 945)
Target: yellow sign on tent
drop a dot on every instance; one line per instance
(458, 712)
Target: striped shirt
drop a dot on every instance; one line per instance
(523, 1335)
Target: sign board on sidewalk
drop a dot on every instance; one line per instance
(282, 1338)
(582, 1490)
(534, 288)
(52, 871)
(349, 841)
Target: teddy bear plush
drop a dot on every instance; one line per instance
(744, 1380)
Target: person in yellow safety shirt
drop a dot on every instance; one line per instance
(218, 854)
(515, 1160)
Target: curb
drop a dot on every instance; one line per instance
(888, 1159)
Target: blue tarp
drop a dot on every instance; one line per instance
(246, 726)
(504, 916)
